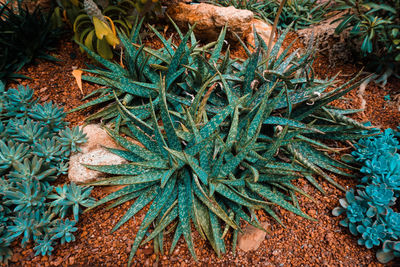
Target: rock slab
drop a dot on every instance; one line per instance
(93, 153)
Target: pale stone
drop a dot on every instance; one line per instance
(78, 173)
(252, 237)
(97, 138)
(93, 153)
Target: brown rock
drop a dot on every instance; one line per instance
(252, 237)
(262, 28)
(210, 19)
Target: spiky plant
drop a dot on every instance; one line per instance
(220, 138)
(25, 36)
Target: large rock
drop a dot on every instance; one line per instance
(252, 237)
(211, 19)
(93, 153)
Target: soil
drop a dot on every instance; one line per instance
(301, 243)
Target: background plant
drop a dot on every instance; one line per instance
(221, 137)
(35, 145)
(95, 24)
(297, 13)
(25, 36)
(375, 28)
(370, 210)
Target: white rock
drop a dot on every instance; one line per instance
(93, 153)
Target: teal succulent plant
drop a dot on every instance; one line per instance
(50, 115)
(369, 148)
(33, 151)
(389, 251)
(392, 222)
(369, 212)
(64, 230)
(71, 196)
(44, 246)
(72, 138)
(355, 209)
(379, 198)
(371, 234)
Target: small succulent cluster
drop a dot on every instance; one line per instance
(375, 30)
(369, 210)
(35, 145)
(25, 36)
(297, 13)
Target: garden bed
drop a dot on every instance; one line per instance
(302, 242)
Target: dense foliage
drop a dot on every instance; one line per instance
(221, 137)
(369, 212)
(35, 146)
(300, 13)
(24, 37)
(375, 27)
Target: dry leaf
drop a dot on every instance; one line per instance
(78, 77)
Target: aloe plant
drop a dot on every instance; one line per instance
(220, 137)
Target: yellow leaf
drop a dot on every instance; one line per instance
(89, 40)
(78, 77)
(103, 30)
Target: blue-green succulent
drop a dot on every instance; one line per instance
(64, 230)
(34, 149)
(355, 208)
(368, 211)
(382, 165)
(72, 138)
(379, 198)
(389, 251)
(32, 169)
(10, 153)
(71, 196)
(18, 101)
(27, 196)
(44, 246)
(371, 234)
(392, 222)
(369, 148)
(49, 149)
(51, 115)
